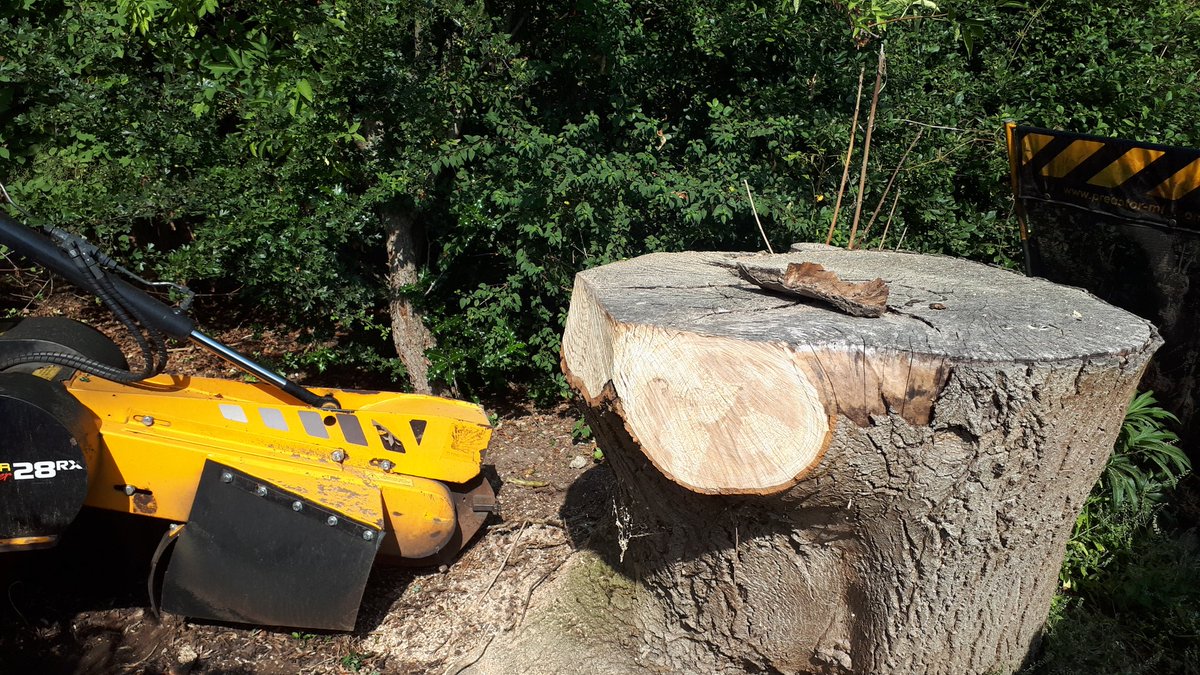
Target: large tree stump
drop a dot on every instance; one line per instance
(806, 491)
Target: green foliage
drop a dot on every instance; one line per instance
(581, 431)
(1145, 459)
(870, 18)
(252, 147)
(1143, 618)
(1124, 504)
(354, 661)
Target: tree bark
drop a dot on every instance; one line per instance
(804, 491)
(409, 332)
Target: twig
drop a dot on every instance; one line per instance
(503, 564)
(888, 188)
(902, 233)
(527, 483)
(8, 199)
(455, 670)
(534, 587)
(938, 126)
(13, 603)
(135, 667)
(1025, 31)
(888, 224)
(909, 17)
(849, 152)
(944, 155)
(546, 522)
(755, 211)
(862, 176)
(451, 639)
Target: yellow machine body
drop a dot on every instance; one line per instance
(284, 496)
(382, 460)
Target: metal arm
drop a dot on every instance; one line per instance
(262, 372)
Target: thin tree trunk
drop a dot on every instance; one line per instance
(862, 177)
(409, 332)
(837, 207)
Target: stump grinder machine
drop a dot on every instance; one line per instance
(279, 498)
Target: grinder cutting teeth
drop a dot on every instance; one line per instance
(281, 498)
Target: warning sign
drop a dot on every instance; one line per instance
(1121, 219)
(1155, 184)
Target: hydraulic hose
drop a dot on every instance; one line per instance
(130, 306)
(152, 346)
(146, 318)
(42, 251)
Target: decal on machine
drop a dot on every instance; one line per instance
(10, 471)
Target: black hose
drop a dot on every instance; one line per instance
(102, 287)
(75, 361)
(150, 341)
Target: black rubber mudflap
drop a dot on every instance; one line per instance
(254, 553)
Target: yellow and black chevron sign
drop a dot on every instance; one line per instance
(1154, 184)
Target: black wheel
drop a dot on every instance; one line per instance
(58, 334)
(47, 450)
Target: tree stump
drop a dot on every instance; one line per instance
(801, 490)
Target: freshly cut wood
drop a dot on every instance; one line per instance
(810, 280)
(693, 398)
(804, 491)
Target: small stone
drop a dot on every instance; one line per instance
(936, 305)
(579, 462)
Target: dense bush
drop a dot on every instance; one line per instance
(250, 146)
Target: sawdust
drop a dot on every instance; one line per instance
(84, 609)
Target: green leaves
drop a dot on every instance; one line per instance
(255, 144)
(302, 93)
(1144, 464)
(1146, 457)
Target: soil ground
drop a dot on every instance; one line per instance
(83, 606)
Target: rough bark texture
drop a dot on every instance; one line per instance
(409, 333)
(928, 536)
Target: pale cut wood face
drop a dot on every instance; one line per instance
(694, 397)
(729, 388)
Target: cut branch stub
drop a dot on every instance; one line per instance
(728, 389)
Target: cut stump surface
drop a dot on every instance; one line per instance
(729, 388)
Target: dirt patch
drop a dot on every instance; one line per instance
(83, 606)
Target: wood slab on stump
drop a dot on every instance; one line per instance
(801, 490)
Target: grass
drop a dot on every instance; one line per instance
(1141, 615)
